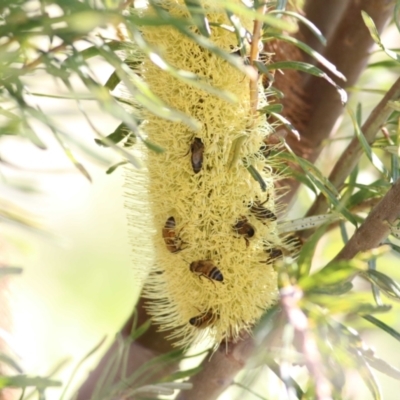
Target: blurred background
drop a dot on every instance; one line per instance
(77, 285)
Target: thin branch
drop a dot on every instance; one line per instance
(254, 52)
(350, 157)
(376, 226)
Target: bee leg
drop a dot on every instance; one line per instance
(205, 276)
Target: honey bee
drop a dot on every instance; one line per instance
(197, 150)
(262, 213)
(203, 320)
(293, 241)
(244, 228)
(207, 269)
(274, 254)
(172, 241)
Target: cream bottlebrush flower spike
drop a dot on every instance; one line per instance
(215, 234)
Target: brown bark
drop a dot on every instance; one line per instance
(376, 226)
(348, 50)
(325, 15)
(350, 157)
(219, 371)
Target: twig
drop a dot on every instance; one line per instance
(350, 157)
(254, 52)
(376, 226)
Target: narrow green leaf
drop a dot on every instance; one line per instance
(280, 5)
(346, 304)
(307, 253)
(350, 186)
(286, 122)
(112, 81)
(140, 330)
(394, 162)
(198, 15)
(387, 64)
(154, 147)
(322, 183)
(240, 32)
(249, 12)
(5, 359)
(119, 134)
(375, 161)
(333, 274)
(343, 232)
(388, 329)
(249, 390)
(369, 22)
(376, 38)
(10, 271)
(70, 96)
(382, 366)
(182, 374)
(385, 283)
(314, 174)
(287, 380)
(396, 15)
(307, 49)
(333, 290)
(361, 356)
(257, 177)
(271, 108)
(24, 381)
(362, 195)
(71, 156)
(317, 33)
(156, 363)
(393, 246)
(312, 70)
(306, 222)
(302, 178)
(83, 22)
(367, 375)
(115, 166)
(375, 289)
(276, 92)
(75, 370)
(234, 153)
(30, 134)
(93, 51)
